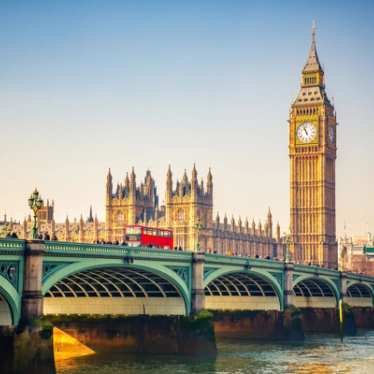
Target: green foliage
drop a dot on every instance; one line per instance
(203, 314)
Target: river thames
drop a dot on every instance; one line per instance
(323, 354)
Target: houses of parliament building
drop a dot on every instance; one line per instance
(188, 208)
(188, 211)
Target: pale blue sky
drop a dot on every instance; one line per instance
(87, 85)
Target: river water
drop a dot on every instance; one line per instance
(319, 354)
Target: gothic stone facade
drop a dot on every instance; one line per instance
(188, 211)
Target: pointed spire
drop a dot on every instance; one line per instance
(202, 185)
(133, 182)
(269, 214)
(232, 223)
(278, 231)
(133, 175)
(240, 224)
(312, 63)
(90, 216)
(169, 182)
(194, 172)
(225, 222)
(185, 177)
(209, 184)
(109, 186)
(127, 180)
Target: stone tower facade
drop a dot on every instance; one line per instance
(312, 153)
(189, 210)
(129, 204)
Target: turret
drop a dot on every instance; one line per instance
(194, 182)
(253, 227)
(246, 224)
(240, 224)
(90, 216)
(132, 183)
(225, 222)
(270, 224)
(127, 181)
(169, 184)
(109, 187)
(232, 224)
(278, 232)
(209, 183)
(217, 221)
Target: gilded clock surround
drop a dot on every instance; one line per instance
(312, 170)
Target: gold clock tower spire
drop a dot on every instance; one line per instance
(312, 153)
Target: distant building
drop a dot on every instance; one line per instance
(357, 254)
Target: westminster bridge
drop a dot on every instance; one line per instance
(46, 277)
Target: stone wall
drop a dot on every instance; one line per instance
(142, 334)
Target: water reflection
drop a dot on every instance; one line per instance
(317, 355)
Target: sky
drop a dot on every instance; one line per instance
(88, 85)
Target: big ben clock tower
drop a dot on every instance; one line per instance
(312, 152)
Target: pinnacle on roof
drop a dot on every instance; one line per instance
(312, 63)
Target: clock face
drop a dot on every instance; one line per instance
(331, 135)
(306, 132)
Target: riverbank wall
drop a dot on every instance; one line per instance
(29, 350)
(142, 334)
(292, 324)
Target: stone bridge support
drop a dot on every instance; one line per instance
(198, 294)
(32, 297)
(343, 286)
(288, 285)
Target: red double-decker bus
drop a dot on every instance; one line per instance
(137, 235)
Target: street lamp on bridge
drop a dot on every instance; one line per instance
(35, 204)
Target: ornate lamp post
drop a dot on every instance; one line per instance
(35, 203)
(198, 227)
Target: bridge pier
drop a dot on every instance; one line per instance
(288, 285)
(198, 294)
(32, 297)
(343, 286)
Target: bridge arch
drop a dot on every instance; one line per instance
(359, 294)
(315, 292)
(242, 290)
(9, 304)
(114, 287)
